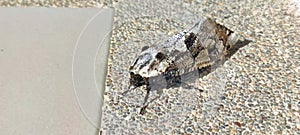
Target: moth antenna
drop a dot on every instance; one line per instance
(130, 87)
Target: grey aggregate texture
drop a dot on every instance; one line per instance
(255, 92)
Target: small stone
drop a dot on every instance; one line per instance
(238, 124)
(189, 130)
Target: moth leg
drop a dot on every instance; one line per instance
(174, 81)
(204, 71)
(172, 78)
(143, 109)
(191, 87)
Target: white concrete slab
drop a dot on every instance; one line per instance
(47, 70)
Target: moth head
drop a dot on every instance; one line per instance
(149, 63)
(137, 80)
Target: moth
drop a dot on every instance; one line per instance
(193, 51)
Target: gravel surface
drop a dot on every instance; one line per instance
(255, 92)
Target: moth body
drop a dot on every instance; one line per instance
(205, 45)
